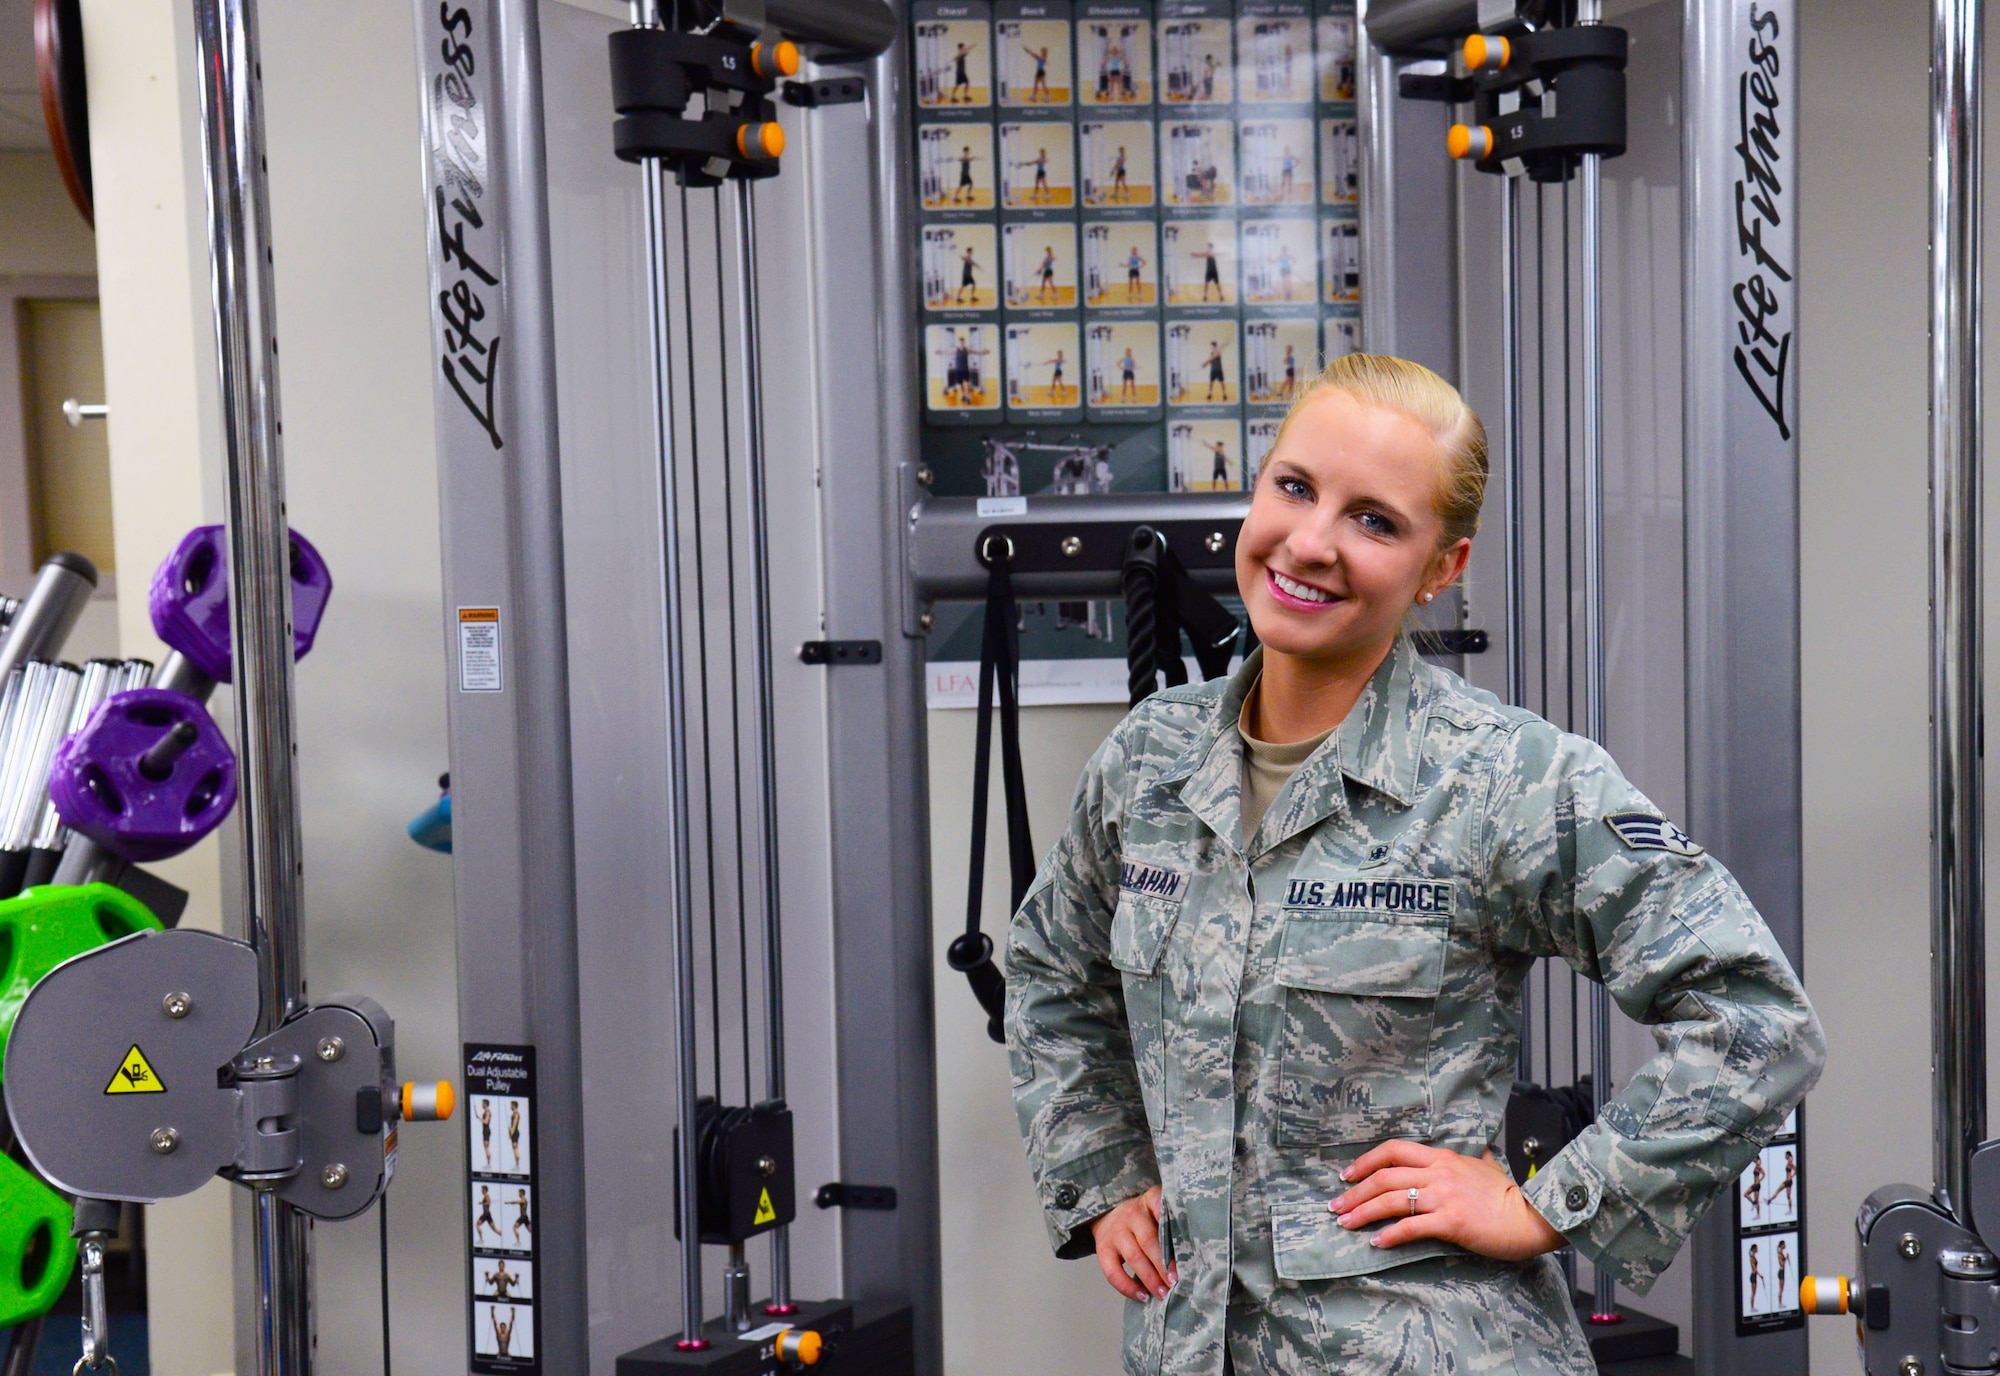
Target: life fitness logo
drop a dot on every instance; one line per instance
(1762, 288)
(467, 246)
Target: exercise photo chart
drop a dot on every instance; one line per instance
(1140, 238)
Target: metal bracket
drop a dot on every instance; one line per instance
(836, 652)
(1921, 1274)
(838, 1196)
(839, 90)
(130, 1075)
(1069, 547)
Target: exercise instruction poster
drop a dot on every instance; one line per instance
(1139, 238)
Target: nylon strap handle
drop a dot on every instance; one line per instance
(971, 952)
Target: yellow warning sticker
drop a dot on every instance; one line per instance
(134, 1076)
(765, 1213)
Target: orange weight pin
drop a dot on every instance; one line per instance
(1483, 54)
(766, 140)
(799, 1347)
(1473, 141)
(779, 59)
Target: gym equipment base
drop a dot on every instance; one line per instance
(863, 1338)
(1638, 1335)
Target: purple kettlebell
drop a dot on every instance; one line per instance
(146, 777)
(189, 599)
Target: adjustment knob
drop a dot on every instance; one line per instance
(1483, 54)
(1826, 1295)
(800, 1347)
(428, 1102)
(1473, 141)
(774, 59)
(766, 140)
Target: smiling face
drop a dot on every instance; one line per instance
(1344, 533)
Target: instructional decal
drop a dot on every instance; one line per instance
(1770, 1235)
(479, 650)
(501, 1207)
(134, 1076)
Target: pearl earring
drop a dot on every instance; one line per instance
(1425, 598)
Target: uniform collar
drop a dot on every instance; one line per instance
(1379, 741)
(1376, 746)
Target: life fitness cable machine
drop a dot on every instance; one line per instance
(636, 506)
(1647, 571)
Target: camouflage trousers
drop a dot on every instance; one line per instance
(1448, 1316)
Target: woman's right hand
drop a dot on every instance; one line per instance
(1128, 1241)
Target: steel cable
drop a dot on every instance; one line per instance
(701, 644)
(735, 646)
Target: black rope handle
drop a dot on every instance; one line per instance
(1161, 600)
(1142, 627)
(971, 952)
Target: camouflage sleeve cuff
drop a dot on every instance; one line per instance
(1620, 1237)
(1076, 1191)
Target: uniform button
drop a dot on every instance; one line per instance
(1066, 1196)
(1576, 1197)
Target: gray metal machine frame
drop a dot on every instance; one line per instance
(504, 548)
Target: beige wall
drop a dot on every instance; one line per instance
(41, 233)
(348, 221)
(1863, 230)
(1009, 1305)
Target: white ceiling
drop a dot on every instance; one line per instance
(20, 96)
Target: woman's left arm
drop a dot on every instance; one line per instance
(1579, 864)
(1583, 866)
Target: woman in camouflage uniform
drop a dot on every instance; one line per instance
(1264, 999)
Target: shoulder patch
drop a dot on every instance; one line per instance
(1645, 831)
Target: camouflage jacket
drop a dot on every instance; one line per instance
(1239, 1022)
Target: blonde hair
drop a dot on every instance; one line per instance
(1410, 389)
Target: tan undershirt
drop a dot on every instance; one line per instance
(1267, 767)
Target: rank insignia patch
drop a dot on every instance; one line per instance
(1644, 831)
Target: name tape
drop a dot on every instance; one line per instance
(1151, 881)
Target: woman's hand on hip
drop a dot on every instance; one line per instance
(1128, 1239)
(1469, 1200)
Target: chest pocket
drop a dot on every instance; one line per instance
(1140, 929)
(1360, 998)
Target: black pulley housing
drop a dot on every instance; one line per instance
(1556, 95)
(745, 1178)
(655, 76)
